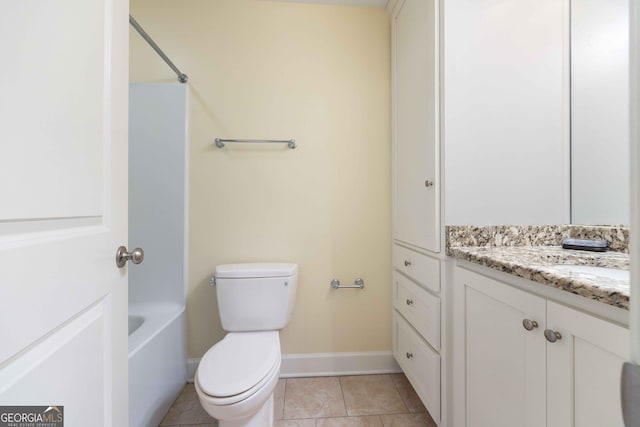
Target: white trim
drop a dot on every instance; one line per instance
(360, 3)
(634, 44)
(566, 111)
(397, 5)
(327, 364)
(331, 364)
(192, 365)
(185, 231)
(391, 5)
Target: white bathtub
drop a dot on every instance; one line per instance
(157, 360)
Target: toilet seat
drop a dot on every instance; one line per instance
(239, 366)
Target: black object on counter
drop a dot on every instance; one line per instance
(585, 245)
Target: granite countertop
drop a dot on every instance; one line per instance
(533, 252)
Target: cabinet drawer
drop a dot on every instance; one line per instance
(420, 363)
(421, 268)
(419, 307)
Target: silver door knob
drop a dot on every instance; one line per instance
(428, 183)
(552, 336)
(122, 256)
(529, 324)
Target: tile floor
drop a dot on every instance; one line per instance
(349, 401)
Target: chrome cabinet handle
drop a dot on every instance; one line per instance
(529, 324)
(409, 355)
(428, 183)
(122, 256)
(409, 301)
(407, 263)
(552, 336)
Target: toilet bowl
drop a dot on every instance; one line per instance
(236, 377)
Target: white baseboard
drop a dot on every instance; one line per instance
(192, 365)
(332, 364)
(328, 364)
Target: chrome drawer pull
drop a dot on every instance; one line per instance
(552, 336)
(409, 301)
(409, 355)
(529, 324)
(407, 263)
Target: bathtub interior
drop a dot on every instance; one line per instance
(134, 323)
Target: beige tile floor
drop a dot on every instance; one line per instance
(349, 401)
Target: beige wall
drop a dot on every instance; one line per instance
(316, 73)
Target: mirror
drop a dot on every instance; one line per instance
(600, 162)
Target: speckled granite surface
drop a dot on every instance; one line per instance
(531, 252)
(534, 235)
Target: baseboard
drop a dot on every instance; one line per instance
(192, 365)
(328, 364)
(331, 364)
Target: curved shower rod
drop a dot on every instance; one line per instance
(182, 78)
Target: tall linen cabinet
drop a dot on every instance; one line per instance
(480, 107)
(416, 187)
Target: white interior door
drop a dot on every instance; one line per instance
(63, 197)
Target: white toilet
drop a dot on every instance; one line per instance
(236, 377)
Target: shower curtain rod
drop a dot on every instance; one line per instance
(182, 78)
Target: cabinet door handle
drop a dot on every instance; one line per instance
(407, 263)
(552, 336)
(428, 183)
(529, 324)
(409, 301)
(409, 355)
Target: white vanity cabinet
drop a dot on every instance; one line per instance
(512, 374)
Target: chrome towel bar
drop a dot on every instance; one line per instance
(358, 283)
(220, 142)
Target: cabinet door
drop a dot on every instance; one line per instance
(583, 369)
(416, 132)
(505, 363)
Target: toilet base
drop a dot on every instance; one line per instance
(263, 418)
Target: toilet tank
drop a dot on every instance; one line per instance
(255, 297)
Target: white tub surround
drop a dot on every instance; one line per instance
(157, 368)
(158, 224)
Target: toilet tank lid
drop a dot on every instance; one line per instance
(255, 270)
